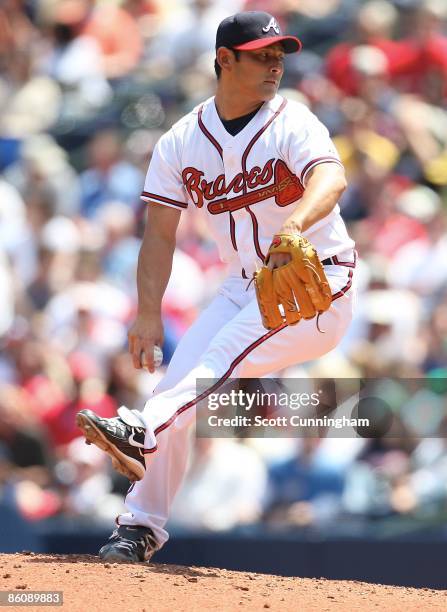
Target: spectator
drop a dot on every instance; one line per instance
(73, 59)
(114, 39)
(88, 486)
(217, 494)
(109, 176)
(305, 489)
(423, 68)
(374, 26)
(115, 30)
(120, 251)
(43, 164)
(30, 102)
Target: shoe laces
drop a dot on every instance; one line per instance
(117, 425)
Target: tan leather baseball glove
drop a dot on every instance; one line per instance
(296, 290)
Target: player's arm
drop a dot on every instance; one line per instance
(153, 272)
(325, 184)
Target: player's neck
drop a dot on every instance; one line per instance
(229, 106)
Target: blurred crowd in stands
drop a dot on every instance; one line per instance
(86, 89)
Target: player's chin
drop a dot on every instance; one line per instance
(269, 90)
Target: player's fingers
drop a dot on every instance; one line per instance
(270, 262)
(277, 260)
(147, 355)
(130, 342)
(135, 354)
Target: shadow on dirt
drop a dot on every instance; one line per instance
(170, 570)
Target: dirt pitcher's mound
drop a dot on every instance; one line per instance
(89, 584)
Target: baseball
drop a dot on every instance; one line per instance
(158, 357)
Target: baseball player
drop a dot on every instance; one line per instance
(258, 166)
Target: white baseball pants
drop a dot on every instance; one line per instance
(227, 340)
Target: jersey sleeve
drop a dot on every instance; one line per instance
(163, 182)
(309, 146)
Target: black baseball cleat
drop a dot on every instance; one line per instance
(129, 543)
(121, 437)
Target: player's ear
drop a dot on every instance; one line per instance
(225, 58)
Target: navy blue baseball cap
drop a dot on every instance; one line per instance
(253, 30)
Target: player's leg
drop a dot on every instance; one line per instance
(242, 348)
(173, 455)
(302, 342)
(197, 338)
(157, 488)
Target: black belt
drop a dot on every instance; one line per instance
(330, 261)
(334, 261)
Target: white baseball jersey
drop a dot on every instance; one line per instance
(246, 184)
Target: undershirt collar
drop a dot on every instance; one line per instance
(234, 126)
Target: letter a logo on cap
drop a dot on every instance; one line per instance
(271, 24)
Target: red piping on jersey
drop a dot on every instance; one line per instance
(343, 290)
(347, 264)
(256, 234)
(208, 134)
(128, 491)
(255, 138)
(316, 161)
(232, 232)
(244, 174)
(154, 196)
(216, 385)
(220, 151)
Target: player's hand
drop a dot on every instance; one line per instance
(276, 260)
(142, 336)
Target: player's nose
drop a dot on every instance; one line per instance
(276, 67)
(276, 70)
